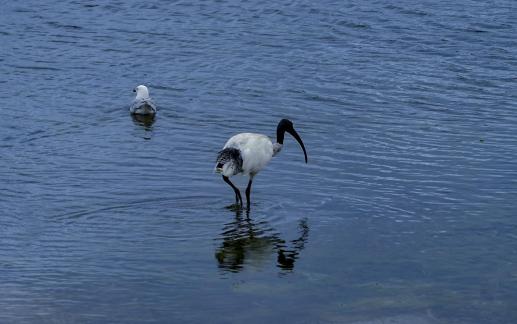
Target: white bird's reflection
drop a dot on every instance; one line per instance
(146, 122)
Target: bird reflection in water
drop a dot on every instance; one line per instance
(146, 121)
(245, 241)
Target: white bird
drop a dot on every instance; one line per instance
(248, 153)
(142, 104)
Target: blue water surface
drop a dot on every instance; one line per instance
(405, 212)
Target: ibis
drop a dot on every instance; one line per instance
(248, 153)
(142, 104)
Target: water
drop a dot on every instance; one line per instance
(405, 212)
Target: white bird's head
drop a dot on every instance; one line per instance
(141, 92)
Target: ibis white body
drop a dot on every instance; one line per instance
(256, 151)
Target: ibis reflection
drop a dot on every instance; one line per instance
(251, 243)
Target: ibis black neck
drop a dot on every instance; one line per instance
(286, 125)
(282, 127)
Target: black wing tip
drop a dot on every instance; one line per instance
(229, 152)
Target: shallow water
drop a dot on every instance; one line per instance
(404, 213)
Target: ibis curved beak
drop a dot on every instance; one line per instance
(299, 140)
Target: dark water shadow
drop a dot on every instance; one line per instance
(146, 122)
(245, 242)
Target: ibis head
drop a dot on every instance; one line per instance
(285, 125)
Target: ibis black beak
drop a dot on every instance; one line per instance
(134, 90)
(299, 140)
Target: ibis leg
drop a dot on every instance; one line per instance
(248, 192)
(238, 198)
